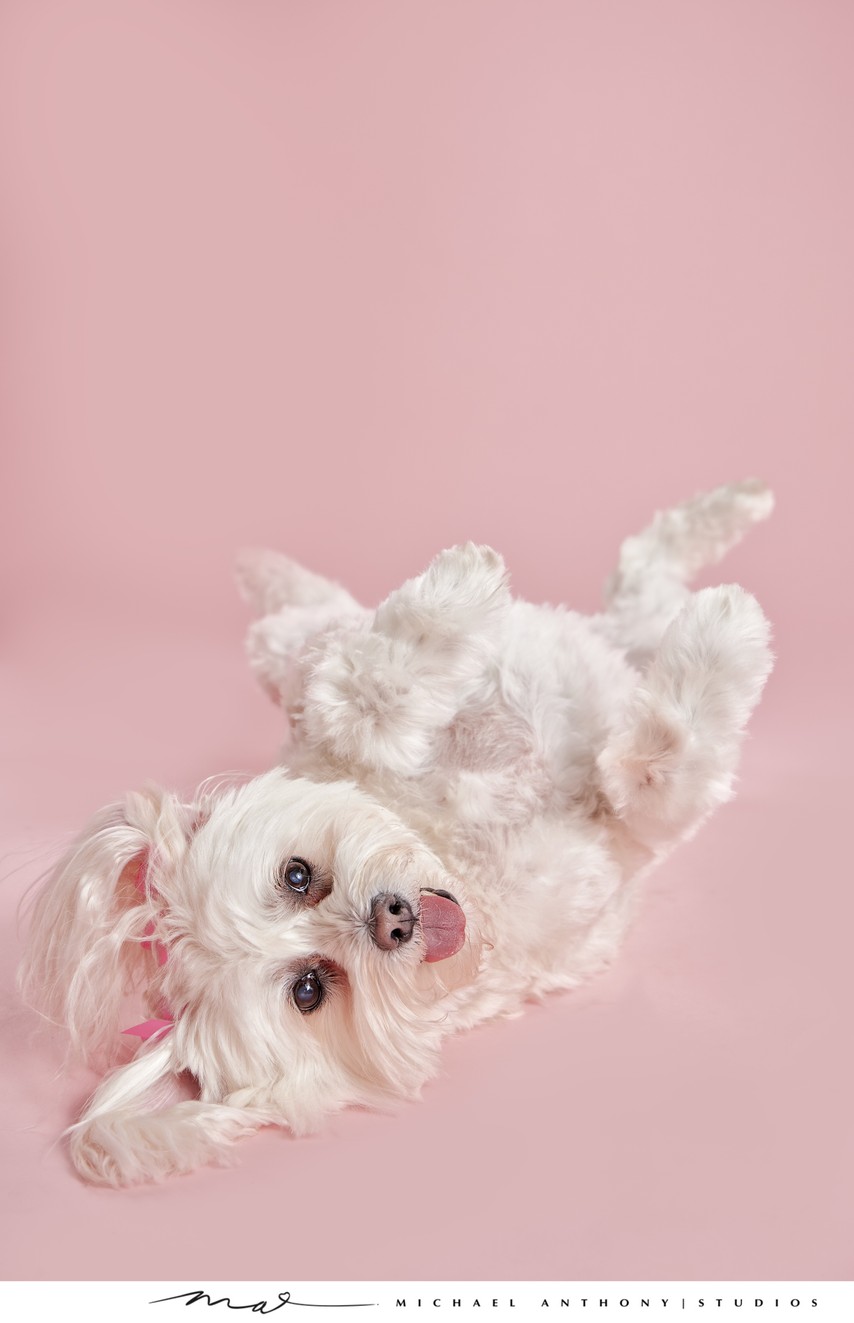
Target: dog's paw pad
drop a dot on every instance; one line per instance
(638, 764)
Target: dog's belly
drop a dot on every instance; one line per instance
(524, 746)
(510, 802)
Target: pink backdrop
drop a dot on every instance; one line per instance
(359, 281)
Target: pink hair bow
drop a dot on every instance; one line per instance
(150, 1028)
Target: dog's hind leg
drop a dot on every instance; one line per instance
(649, 586)
(295, 606)
(672, 757)
(269, 581)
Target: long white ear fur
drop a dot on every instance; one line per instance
(84, 950)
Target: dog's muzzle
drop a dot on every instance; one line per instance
(440, 919)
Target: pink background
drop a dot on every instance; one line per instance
(360, 280)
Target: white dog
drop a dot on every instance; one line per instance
(473, 789)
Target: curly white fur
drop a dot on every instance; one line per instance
(530, 761)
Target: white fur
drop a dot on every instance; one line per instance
(532, 761)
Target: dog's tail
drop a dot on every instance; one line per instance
(649, 585)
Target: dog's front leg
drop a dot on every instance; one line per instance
(672, 758)
(379, 698)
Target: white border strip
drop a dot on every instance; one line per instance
(380, 1302)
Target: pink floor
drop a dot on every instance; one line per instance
(360, 282)
(687, 1115)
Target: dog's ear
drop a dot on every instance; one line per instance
(84, 948)
(124, 1137)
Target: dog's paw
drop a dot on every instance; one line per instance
(463, 591)
(469, 576)
(753, 498)
(92, 1157)
(471, 563)
(635, 767)
(269, 582)
(716, 656)
(365, 704)
(675, 756)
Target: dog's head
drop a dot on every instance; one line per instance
(303, 940)
(301, 927)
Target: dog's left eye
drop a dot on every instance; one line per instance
(308, 992)
(296, 875)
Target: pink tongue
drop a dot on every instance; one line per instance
(443, 926)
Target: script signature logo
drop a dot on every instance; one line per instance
(259, 1306)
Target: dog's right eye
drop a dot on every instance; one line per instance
(296, 876)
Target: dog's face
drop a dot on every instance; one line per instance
(298, 933)
(304, 926)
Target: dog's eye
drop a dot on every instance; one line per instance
(296, 875)
(307, 992)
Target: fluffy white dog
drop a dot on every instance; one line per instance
(473, 789)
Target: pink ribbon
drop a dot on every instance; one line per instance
(158, 947)
(150, 1028)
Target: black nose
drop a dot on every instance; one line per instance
(391, 921)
